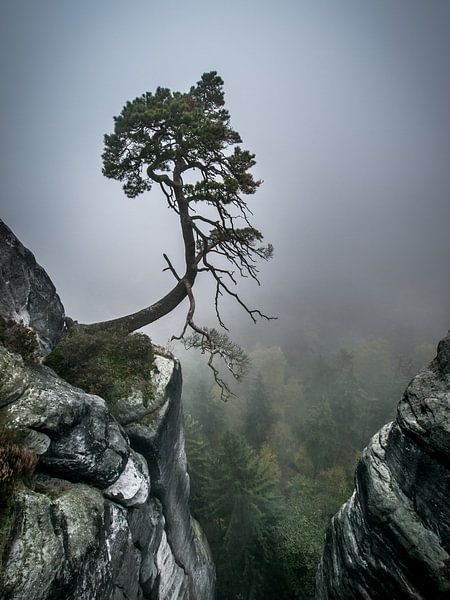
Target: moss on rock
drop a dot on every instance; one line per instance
(110, 363)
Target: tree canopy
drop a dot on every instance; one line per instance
(244, 506)
(184, 143)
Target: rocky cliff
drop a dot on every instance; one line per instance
(27, 293)
(392, 538)
(105, 515)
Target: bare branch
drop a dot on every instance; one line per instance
(251, 312)
(171, 268)
(216, 306)
(213, 343)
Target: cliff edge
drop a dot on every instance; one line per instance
(106, 514)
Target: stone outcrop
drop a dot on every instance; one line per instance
(162, 445)
(27, 293)
(392, 538)
(106, 514)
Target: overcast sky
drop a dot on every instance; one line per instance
(345, 103)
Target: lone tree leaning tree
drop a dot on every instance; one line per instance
(160, 138)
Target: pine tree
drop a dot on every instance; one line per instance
(245, 507)
(259, 414)
(198, 452)
(183, 143)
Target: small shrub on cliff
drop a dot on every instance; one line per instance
(19, 338)
(109, 363)
(16, 464)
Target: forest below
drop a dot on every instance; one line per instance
(270, 467)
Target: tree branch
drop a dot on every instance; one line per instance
(160, 178)
(171, 268)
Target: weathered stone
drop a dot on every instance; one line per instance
(392, 538)
(120, 554)
(170, 582)
(162, 444)
(91, 527)
(70, 543)
(36, 554)
(160, 576)
(34, 441)
(27, 294)
(87, 444)
(139, 519)
(423, 412)
(133, 486)
(13, 377)
(135, 408)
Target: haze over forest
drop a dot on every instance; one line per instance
(345, 105)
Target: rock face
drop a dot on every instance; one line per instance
(106, 515)
(162, 445)
(392, 538)
(27, 293)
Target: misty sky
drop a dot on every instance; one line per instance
(345, 103)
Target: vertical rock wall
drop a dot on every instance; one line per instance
(27, 293)
(391, 540)
(106, 516)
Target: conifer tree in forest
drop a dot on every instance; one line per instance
(259, 415)
(245, 508)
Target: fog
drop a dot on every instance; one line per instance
(345, 104)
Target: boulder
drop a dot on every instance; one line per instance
(133, 485)
(86, 443)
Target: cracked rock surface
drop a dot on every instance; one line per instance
(106, 514)
(392, 538)
(27, 293)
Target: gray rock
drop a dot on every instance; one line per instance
(133, 485)
(67, 543)
(392, 538)
(95, 548)
(27, 294)
(34, 441)
(91, 527)
(87, 444)
(13, 379)
(36, 554)
(423, 412)
(170, 583)
(134, 408)
(139, 518)
(162, 445)
(160, 575)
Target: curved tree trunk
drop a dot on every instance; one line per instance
(147, 315)
(179, 292)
